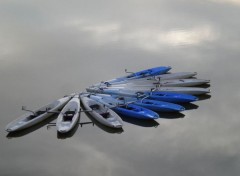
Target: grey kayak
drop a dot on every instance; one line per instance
(169, 76)
(30, 119)
(161, 83)
(101, 113)
(69, 116)
(130, 90)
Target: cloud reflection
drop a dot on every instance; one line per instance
(147, 38)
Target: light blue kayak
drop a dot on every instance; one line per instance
(155, 95)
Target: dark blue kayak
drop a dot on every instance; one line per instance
(135, 111)
(171, 97)
(159, 105)
(141, 74)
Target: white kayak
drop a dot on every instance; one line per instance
(101, 113)
(31, 118)
(69, 116)
(177, 75)
(161, 83)
(169, 76)
(180, 90)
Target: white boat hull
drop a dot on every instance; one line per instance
(69, 116)
(99, 111)
(28, 119)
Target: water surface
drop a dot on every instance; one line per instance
(50, 49)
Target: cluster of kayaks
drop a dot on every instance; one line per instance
(139, 95)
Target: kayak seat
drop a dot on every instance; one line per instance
(105, 115)
(39, 113)
(148, 102)
(68, 115)
(133, 109)
(31, 117)
(94, 106)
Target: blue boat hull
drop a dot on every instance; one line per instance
(171, 97)
(135, 111)
(144, 73)
(159, 105)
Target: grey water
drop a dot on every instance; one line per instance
(52, 48)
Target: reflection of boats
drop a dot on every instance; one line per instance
(31, 129)
(204, 97)
(69, 116)
(103, 127)
(169, 115)
(33, 117)
(141, 122)
(68, 134)
(190, 106)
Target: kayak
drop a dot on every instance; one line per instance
(141, 74)
(129, 110)
(69, 116)
(161, 83)
(178, 75)
(155, 95)
(135, 111)
(168, 76)
(181, 90)
(154, 105)
(101, 113)
(30, 119)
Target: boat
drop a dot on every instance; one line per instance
(149, 79)
(33, 117)
(155, 95)
(69, 116)
(181, 90)
(126, 109)
(101, 113)
(141, 74)
(159, 106)
(160, 83)
(177, 75)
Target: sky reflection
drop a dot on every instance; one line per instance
(52, 48)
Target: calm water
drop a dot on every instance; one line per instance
(49, 49)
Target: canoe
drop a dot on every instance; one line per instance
(129, 110)
(161, 83)
(141, 74)
(155, 95)
(30, 119)
(101, 113)
(159, 106)
(69, 116)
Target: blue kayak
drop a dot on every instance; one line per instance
(135, 111)
(129, 110)
(141, 74)
(159, 105)
(171, 97)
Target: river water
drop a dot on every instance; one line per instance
(50, 49)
